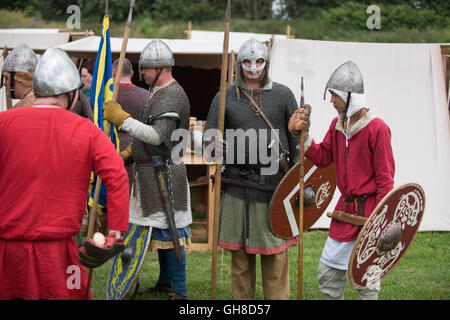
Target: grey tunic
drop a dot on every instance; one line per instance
(278, 103)
(244, 211)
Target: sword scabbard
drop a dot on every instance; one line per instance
(347, 218)
(161, 179)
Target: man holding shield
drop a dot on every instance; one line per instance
(359, 144)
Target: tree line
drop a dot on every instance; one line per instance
(399, 13)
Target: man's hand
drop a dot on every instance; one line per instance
(113, 112)
(126, 153)
(299, 121)
(93, 255)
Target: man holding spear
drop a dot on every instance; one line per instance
(359, 144)
(167, 109)
(254, 103)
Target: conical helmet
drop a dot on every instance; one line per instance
(55, 74)
(21, 59)
(253, 50)
(156, 55)
(346, 78)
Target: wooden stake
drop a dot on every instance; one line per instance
(218, 173)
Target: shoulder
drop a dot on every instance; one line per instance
(282, 89)
(279, 86)
(378, 124)
(284, 93)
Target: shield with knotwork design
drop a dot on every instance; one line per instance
(126, 266)
(284, 209)
(386, 235)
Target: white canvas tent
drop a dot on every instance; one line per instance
(38, 39)
(404, 85)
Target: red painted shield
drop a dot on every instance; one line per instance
(405, 206)
(283, 208)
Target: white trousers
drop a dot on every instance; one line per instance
(332, 283)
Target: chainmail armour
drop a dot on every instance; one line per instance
(278, 103)
(162, 99)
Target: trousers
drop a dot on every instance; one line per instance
(332, 283)
(171, 271)
(275, 275)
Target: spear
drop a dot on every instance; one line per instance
(218, 173)
(7, 91)
(301, 196)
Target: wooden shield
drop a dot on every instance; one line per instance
(123, 276)
(284, 209)
(403, 206)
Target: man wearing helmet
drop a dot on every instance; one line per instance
(17, 76)
(167, 109)
(48, 154)
(244, 227)
(359, 144)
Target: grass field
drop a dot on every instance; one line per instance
(422, 274)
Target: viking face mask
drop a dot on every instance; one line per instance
(251, 51)
(253, 68)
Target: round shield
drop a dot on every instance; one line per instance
(126, 266)
(284, 209)
(401, 208)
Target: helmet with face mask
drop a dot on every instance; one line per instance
(56, 74)
(21, 59)
(252, 50)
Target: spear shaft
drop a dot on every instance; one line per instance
(218, 173)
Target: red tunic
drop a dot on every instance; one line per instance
(368, 169)
(45, 162)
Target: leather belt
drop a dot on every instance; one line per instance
(358, 199)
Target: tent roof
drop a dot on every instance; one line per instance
(37, 39)
(195, 53)
(234, 36)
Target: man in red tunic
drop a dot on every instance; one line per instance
(45, 164)
(359, 144)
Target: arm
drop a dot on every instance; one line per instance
(383, 161)
(141, 131)
(320, 154)
(109, 166)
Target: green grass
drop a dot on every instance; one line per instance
(422, 274)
